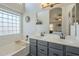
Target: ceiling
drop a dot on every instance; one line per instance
(35, 7)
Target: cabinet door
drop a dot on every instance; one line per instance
(32, 42)
(33, 50)
(54, 52)
(70, 54)
(40, 42)
(56, 46)
(42, 49)
(73, 50)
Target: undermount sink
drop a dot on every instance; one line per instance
(71, 42)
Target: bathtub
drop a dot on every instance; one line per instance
(15, 49)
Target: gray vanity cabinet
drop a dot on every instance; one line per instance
(43, 48)
(55, 49)
(33, 47)
(72, 51)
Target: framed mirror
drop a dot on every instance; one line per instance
(72, 26)
(27, 19)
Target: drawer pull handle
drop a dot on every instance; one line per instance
(41, 49)
(55, 54)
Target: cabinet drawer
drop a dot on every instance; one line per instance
(72, 50)
(41, 54)
(33, 42)
(70, 54)
(56, 46)
(42, 49)
(54, 52)
(42, 42)
(33, 50)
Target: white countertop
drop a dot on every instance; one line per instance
(11, 49)
(69, 40)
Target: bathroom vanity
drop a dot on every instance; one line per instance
(53, 47)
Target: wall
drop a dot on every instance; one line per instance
(66, 9)
(28, 27)
(4, 40)
(31, 27)
(44, 17)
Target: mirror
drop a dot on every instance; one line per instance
(77, 19)
(55, 22)
(73, 21)
(73, 15)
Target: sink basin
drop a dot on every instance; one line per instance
(71, 42)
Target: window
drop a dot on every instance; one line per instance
(9, 23)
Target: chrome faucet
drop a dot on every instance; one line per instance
(62, 36)
(42, 33)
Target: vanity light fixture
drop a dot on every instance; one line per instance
(60, 19)
(46, 5)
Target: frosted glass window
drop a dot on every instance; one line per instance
(14, 21)
(10, 16)
(0, 28)
(14, 17)
(14, 28)
(0, 14)
(5, 15)
(17, 17)
(0, 23)
(5, 24)
(14, 24)
(0, 11)
(5, 29)
(10, 20)
(5, 20)
(18, 31)
(9, 23)
(0, 19)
